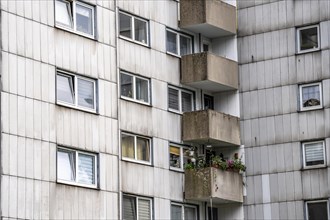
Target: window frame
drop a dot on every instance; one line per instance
(302, 108)
(75, 182)
(316, 201)
(182, 209)
(299, 51)
(134, 88)
(178, 48)
(133, 17)
(180, 99)
(135, 160)
(137, 204)
(304, 155)
(183, 149)
(75, 91)
(73, 17)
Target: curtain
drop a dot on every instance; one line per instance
(143, 149)
(127, 146)
(86, 169)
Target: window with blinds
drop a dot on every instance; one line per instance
(75, 91)
(180, 100)
(76, 167)
(136, 208)
(314, 154)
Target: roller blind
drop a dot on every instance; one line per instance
(173, 99)
(314, 153)
(85, 93)
(86, 169)
(144, 209)
(186, 101)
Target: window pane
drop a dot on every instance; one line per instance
(311, 96)
(125, 25)
(308, 39)
(186, 102)
(63, 13)
(143, 149)
(66, 163)
(175, 157)
(142, 91)
(176, 212)
(189, 213)
(173, 98)
(84, 16)
(127, 146)
(317, 211)
(65, 89)
(129, 208)
(314, 154)
(171, 44)
(86, 169)
(185, 45)
(140, 30)
(144, 209)
(126, 85)
(85, 93)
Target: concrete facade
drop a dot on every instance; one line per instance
(34, 124)
(273, 127)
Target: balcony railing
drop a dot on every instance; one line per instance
(210, 127)
(212, 183)
(209, 72)
(212, 18)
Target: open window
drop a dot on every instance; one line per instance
(308, 38)
(75, 16)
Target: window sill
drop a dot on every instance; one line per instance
(307, 51)
(311, 109)
(68, 183)
(315, 167)
(178, 170)
(125, 159)
(173, 54)
(134, 42)
(75, 32)
(135, 101)
(77, 108)
(175, 112)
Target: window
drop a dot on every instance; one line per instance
(135, 87)
(75, 16)
(76, 167)
(177, 43)
(133, 28)
(314, 154)
(317, 210)
(178, 156)
(208, 102)
(212, 213)
(310, 96)
(76, 91)
(136, 208)
(136, 148)
(308, 38)
(184, 212)
(180, 100)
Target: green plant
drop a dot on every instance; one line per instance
(189, 166)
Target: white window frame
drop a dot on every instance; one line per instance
(180, 99)
(135, 149)
(134, 88)
(316, 201)
(182, 209)
(75, 104)
(178, 34)
(137, 204)
(75, 182)
(183, 149)
(302, 108)
(74, 19)
(133, 17)
(304, 155)
(299, 51)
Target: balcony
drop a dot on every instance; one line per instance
(210, 127)
(221, 186)
(209, 72)
(211, 18)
